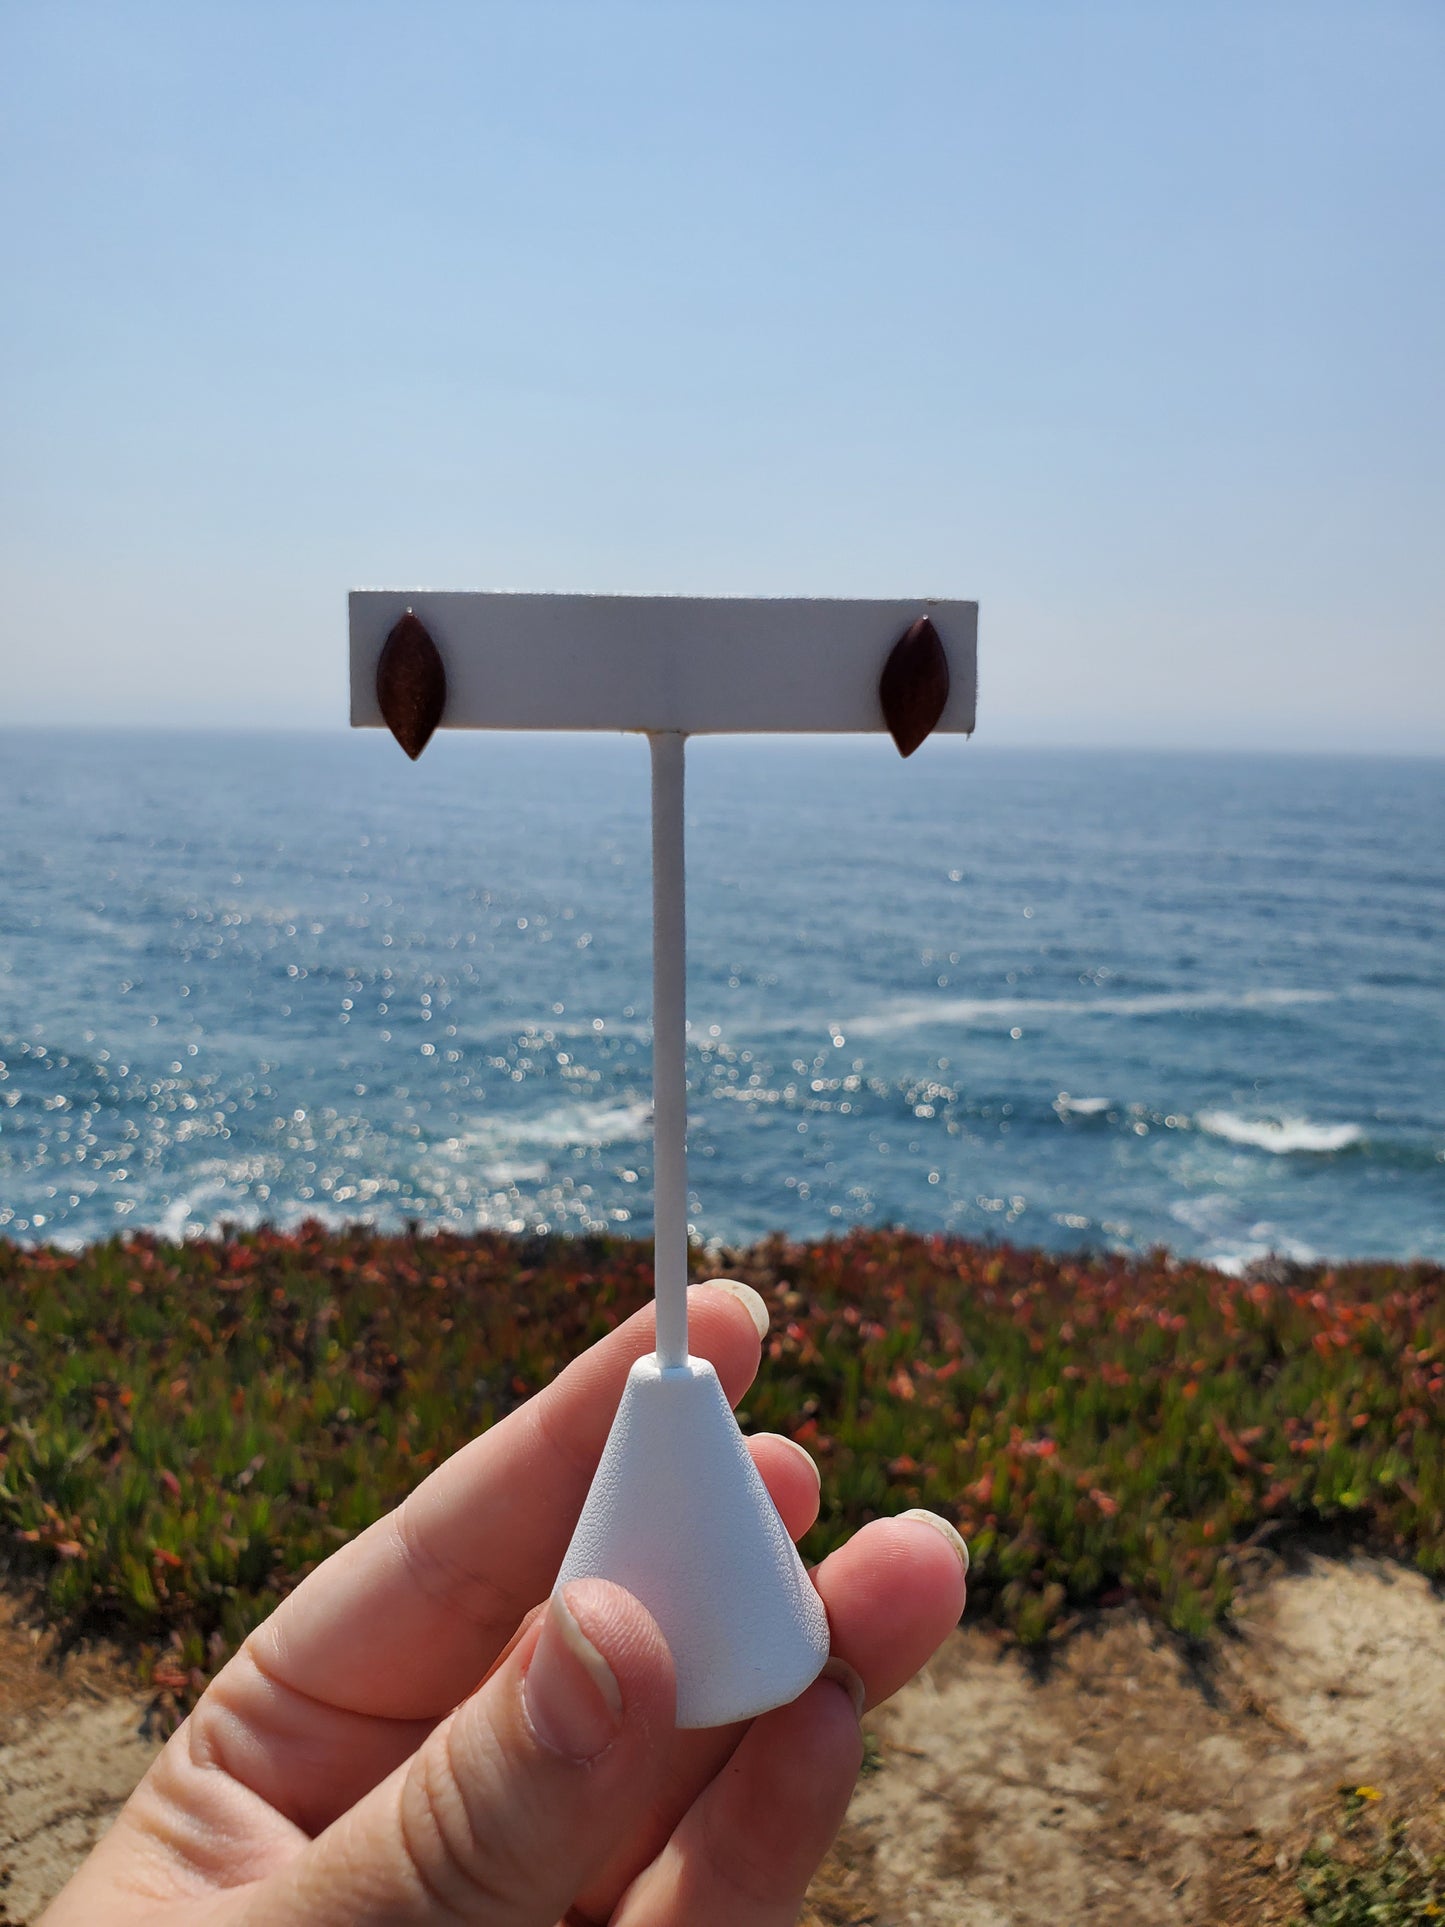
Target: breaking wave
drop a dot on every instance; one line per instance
(1282, 1136)
(592, 1126)
(915, 1012)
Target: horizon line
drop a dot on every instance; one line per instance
(978, 740)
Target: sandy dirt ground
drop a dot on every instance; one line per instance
(73, 1742)
(1114, 1783)
(1121, 1785)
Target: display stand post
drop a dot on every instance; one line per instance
(669, 1045)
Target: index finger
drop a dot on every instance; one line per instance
(403, 1621)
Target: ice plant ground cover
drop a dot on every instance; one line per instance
(185, 1430)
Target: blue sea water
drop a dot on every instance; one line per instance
(1064, 998)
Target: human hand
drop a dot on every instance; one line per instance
(411, 1738)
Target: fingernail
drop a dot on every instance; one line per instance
(570, 1691)
(940, 1525)
(803, 1453)
(842, 1674)
(747, 1297)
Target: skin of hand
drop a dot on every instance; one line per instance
(411, 1738)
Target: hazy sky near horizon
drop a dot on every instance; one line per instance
(1126, 320)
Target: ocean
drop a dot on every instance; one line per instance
(1079, 999)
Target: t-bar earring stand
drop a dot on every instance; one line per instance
(677, 1512)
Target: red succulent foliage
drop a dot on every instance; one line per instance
(186, 1430)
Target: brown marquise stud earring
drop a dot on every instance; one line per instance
(914, 686)
(411, 685)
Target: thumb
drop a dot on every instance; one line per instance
(515, 1797)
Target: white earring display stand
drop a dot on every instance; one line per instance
(677, 1513)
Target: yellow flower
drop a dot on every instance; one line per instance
(1368, 1793)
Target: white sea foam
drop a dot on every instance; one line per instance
(913, 1013)
(1282, 1135)
(1265, 1242)
(586, 1124)
(507, 1172)
(590, 1126)
(182, 1217)
(1081, 1106)
(221, 1192)
(1231, 1241)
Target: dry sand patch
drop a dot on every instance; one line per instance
(63, 1776)
(74, 1739)
(1124, 1786)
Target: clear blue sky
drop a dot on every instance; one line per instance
(1127, 320)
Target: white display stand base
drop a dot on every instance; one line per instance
(679, 1515)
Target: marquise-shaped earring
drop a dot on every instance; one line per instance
(913, 688)
(411, 685)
